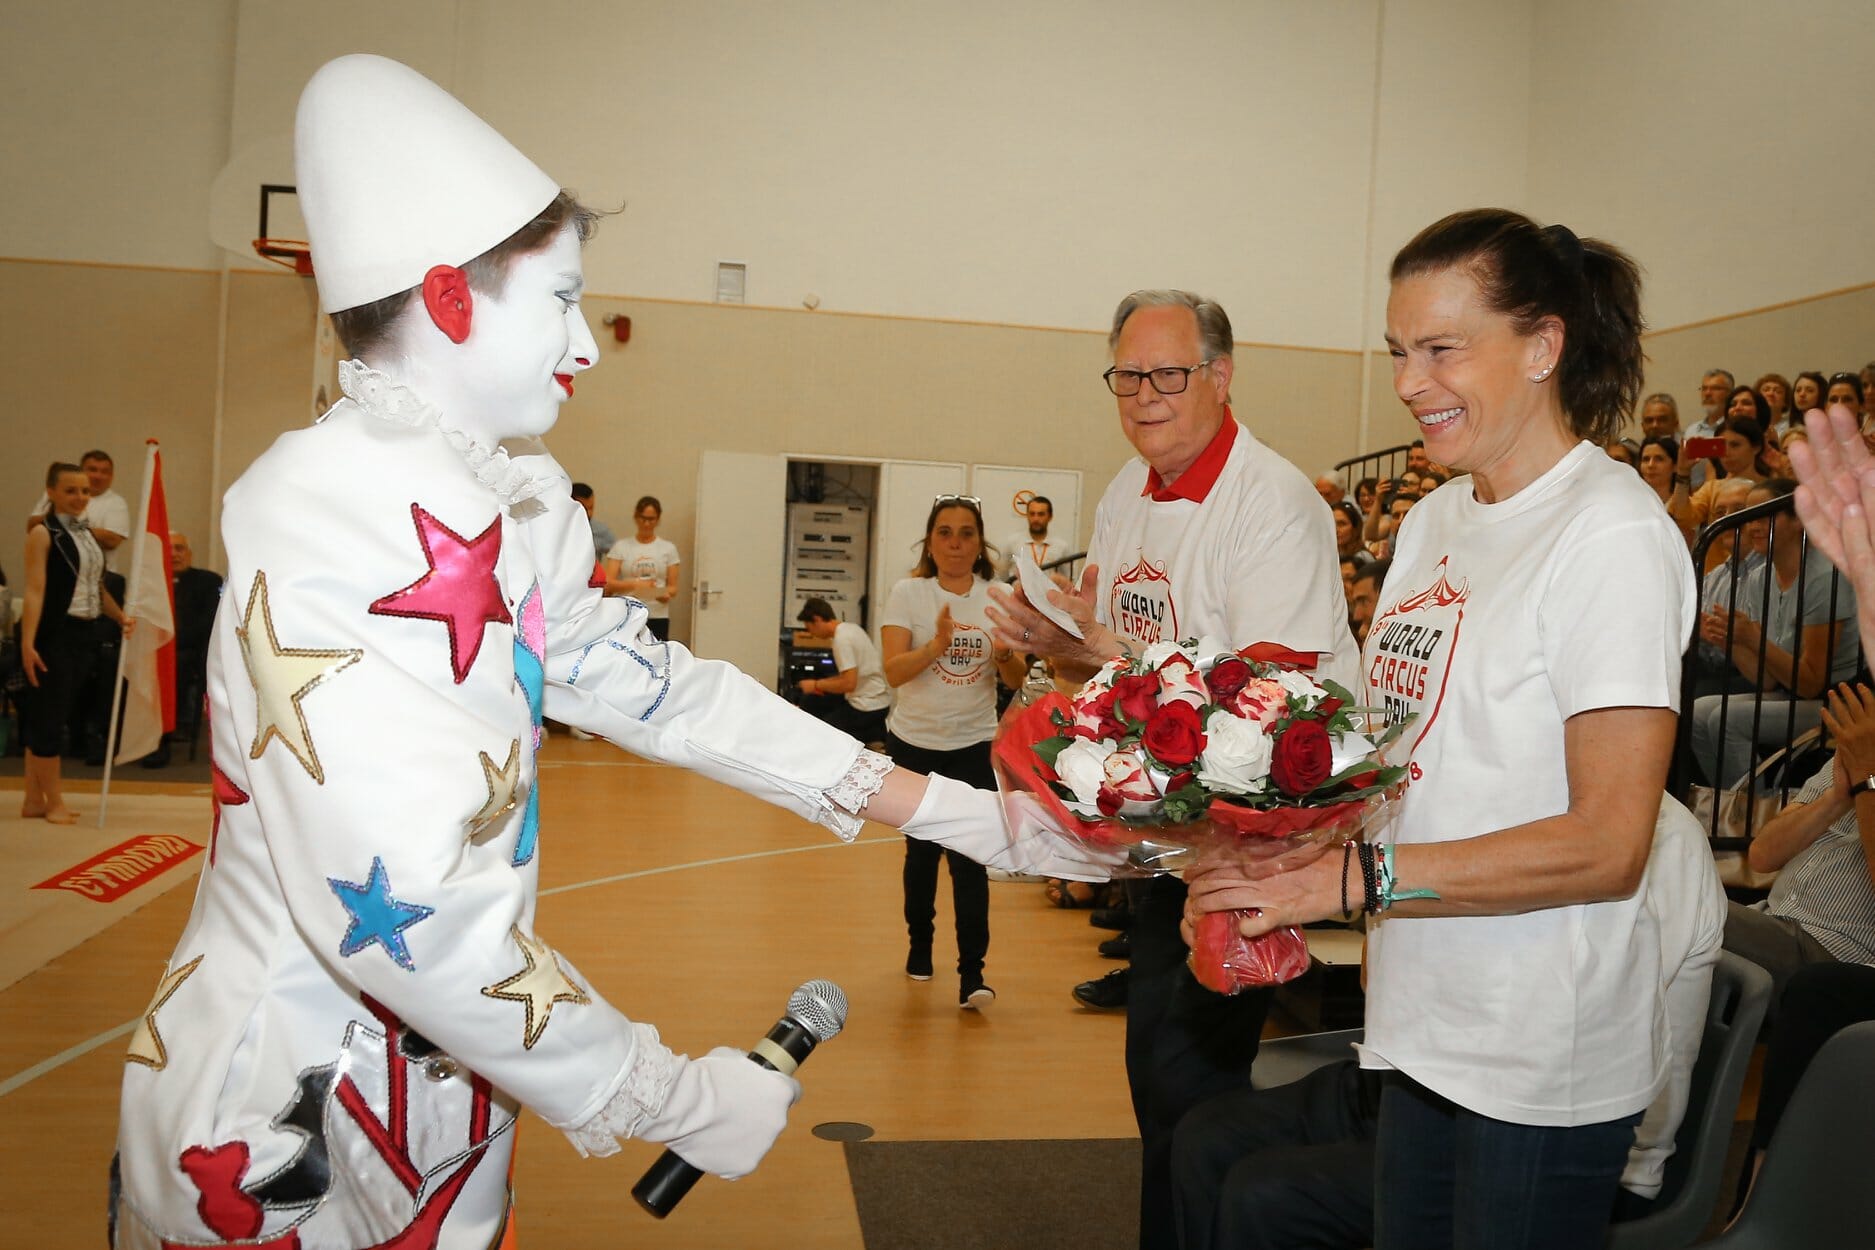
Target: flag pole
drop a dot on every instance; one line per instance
(113, 730)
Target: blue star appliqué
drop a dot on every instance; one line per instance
(530, 826)
(376, 916)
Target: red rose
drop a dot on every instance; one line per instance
(1303, 758)
(1279, 655)
(1226, 678)
(1328, 707)
(1135, 696)
(1094, 718)
(1174, 735)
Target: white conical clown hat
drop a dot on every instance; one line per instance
(396, 177)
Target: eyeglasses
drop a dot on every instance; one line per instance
(972, 500)
(1167, 380)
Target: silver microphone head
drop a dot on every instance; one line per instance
(821, 1007)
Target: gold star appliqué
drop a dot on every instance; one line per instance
(282, 676)
(541, 984)
(146, 1044)
(501, 783)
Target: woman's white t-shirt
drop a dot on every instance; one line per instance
(652, 560)
(1497, 623)
(952, 703)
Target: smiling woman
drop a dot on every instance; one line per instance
(1531, 627)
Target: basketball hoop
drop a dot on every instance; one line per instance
(291, 254)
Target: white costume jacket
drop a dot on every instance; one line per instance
(339, 1044)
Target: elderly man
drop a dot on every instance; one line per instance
(1329, 487)
(1206, 533)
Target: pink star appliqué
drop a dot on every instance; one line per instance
(460, 589)
(225, 794)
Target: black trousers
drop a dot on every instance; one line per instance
(1290, 1168)
(1818, 1002)
(660, 627)
(970, 885)
(1184, 1044)
(51, 709)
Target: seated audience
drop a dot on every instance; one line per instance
(1845, 389)
(1822, 906)
(1791, 637)
(1776, 392)
(1366, 491)
(1348, 534)
(1742, 459)
(1363, 596)
(1715, 669)
(1328, 486)
(1807, 393)
(1660, 416)
(1658, 455)
(1619, 450)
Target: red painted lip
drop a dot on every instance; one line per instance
(565, 380)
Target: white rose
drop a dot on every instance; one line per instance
(1158, 653)
(1209, 649)
(1347, 750)
(1236, 755)
(1300, 687)
(1082, 767)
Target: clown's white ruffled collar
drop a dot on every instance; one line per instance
(398, 404)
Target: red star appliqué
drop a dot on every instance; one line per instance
(225, 794)
(460, 589)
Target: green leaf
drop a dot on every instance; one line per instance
(1048, 748)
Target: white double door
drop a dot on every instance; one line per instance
(736, 578)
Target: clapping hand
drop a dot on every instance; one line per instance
(946, 629)
(1836, 498)
(1849, 715)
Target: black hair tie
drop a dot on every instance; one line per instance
(1567, 246)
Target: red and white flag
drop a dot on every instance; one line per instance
(149, 654)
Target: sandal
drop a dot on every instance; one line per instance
(1071, 894)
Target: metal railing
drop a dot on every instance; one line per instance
(1386, 463)
(1778, 720)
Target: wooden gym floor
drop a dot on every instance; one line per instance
(692, 907)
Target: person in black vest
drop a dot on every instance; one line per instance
(64, 593)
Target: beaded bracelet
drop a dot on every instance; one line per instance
(1370, 901)
(1347, 853)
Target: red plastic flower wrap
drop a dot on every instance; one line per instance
(1191, 750)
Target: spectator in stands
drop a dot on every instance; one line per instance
(1867, 378)
(1362, 597)
(196, 594)
(1618, 450)
(1293, 1166)
(1742, 459)
(1328, 486)
(1845, 389)
(940, 658)
(1658, 457)
(1716, 672)
(1660, 416)
(645, 567)
(602, 536)
(1791, 636)
(1348, 543)
(1715, 388)
(1348, 569)
(1416, 459)
(1806, 393)
(1408, 482)
(1746, 402)
(1822, 905)
(1525, 836)
(65, 594)
(1775, 389)
(1365, 492)
(856, 698)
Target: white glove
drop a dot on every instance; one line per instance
(969, 821)
(723, 1112)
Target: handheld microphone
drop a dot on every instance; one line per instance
(816, 1012)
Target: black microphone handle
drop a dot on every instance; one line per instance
(666, 1181)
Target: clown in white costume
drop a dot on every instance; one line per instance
(339, 1045)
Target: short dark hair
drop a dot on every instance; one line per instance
(367, 326)
(1045, 500)
(582, 491)
(1528, 272)
(59, 469)
(1851, 380)
(1419, 443)
(96, 454)
(1376, 570)
(1759, 404)
(645, 501)
(816, 610)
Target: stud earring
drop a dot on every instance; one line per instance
(1547, 370)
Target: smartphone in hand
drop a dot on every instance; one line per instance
(1705, 448)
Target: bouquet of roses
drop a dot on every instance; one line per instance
(1191, 749)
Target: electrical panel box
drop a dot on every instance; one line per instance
(827, 559)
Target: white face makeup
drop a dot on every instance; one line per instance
(525, 347)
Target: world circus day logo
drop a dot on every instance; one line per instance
(1141, 604)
